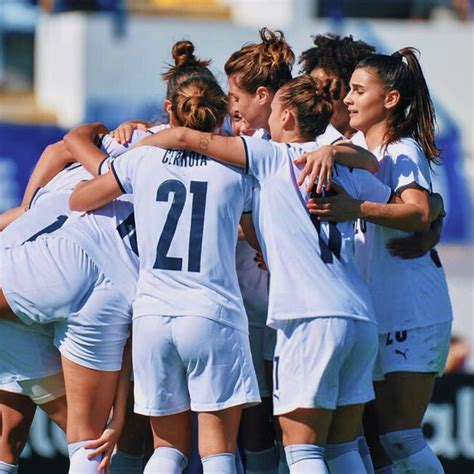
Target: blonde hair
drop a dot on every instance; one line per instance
(268, 63)
(199, 103)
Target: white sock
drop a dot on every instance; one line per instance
(422, 462)
(78, 461)
(124, 463)
(262, 462)
(409, 451)
(305, 459)
(344, 457)
(223, 463)
(365, 454)
(166, 461)
(385, 470)
(282, 464)
(6, 468)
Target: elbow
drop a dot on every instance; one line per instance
(73, 203)
(373, 166)
(422, 223)
(76, 203)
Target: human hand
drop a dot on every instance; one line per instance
(124, 132)
(337, 207)
(104, 446)
(318, 166)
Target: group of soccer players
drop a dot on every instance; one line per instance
(251, 260)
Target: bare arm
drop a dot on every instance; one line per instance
(95, 193)
(228, 150)
(319, 164)
(80, 144)
(409, 212)
(53, 160)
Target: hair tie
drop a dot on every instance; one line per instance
(397, 55)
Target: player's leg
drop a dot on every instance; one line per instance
(256, 428)
(90, 395)
(221, 381)
(308, 357)
(355, 389)
(49, 393)
(305, 433)
(218, 439)
(17, 412)
(131, 446)
(160, 391)
(342, 448)
(409, 361)
(172, 441)
(379, 457)
(402, 399)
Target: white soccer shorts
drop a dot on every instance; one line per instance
(190, 362)
(423, 350)
(323, 363)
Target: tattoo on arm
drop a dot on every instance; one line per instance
(203, 142)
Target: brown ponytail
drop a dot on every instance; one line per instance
(199, 103)
(268, 63)
(311, 102)
(414, 116)
(185, 66)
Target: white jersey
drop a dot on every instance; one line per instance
(253, 281)
(332, 135)
(109, 238)
(187, 209)
(46, 217)
(67, 179)
(113, 149)
(406, 293)
(311, 262)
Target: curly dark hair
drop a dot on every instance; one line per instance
(334, 54)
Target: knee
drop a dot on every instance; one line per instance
(402, 444)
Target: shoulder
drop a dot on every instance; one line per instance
(406, 148)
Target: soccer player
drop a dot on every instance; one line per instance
(321, 304)
(389, 102)
(255, 74)
(191, 348)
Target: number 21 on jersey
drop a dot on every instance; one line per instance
(198, 190)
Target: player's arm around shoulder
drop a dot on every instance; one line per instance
(229, 150)
(95, 193)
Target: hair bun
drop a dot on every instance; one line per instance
(182, 53)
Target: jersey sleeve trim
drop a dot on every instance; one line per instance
(112, 167)
(392, 193)
(246, 155)
(35, 194)
(100, 172)
(98, 141)
(400, 189)
(247, 212)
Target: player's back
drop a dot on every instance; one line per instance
(109, 238)
(311, 262)
(187, 209)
